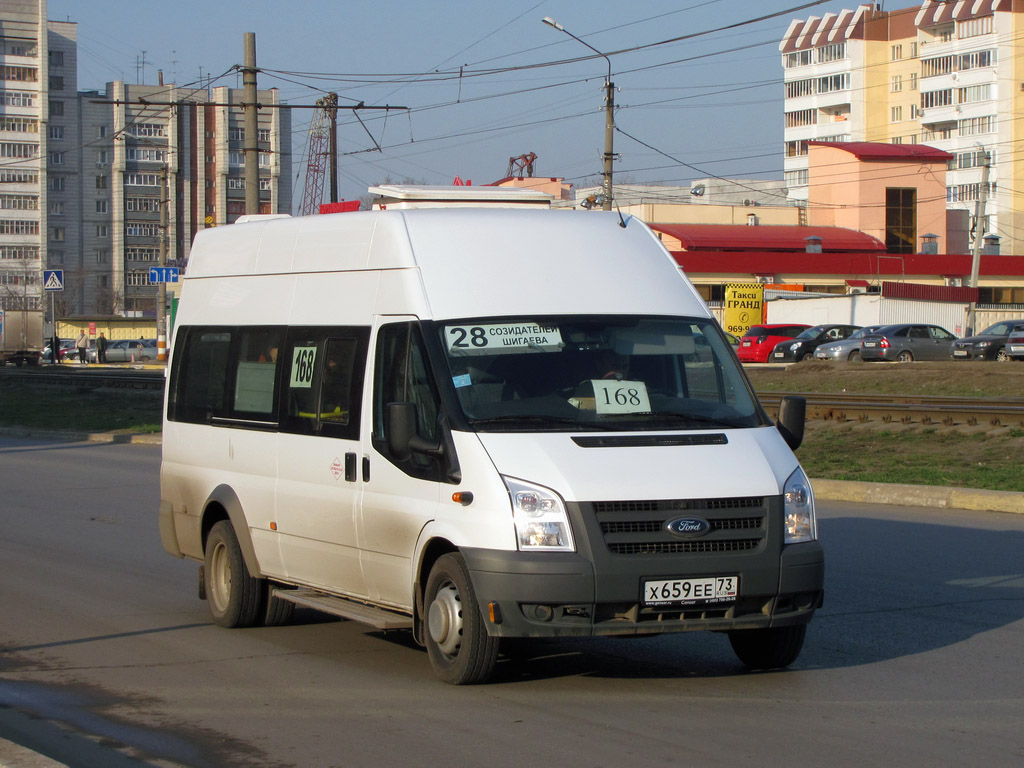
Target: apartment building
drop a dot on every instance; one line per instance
(38, 139)
(945, 74)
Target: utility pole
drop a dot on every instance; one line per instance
(251, 147)
(161, 289)
(609, 116)
(979, 218)
(331, 105)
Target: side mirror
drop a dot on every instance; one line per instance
(403, 439)
(792, 415)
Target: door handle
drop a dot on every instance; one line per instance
(350, 467)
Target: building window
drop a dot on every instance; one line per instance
(931, 99)
(101, 131)
(146, 155)
(236, 133)
(15, 227)
(895, 83)
(20, 252)
(832, 83)
(102, 256)
(55, 207)
(974, 27)
(236, 183)
(796, 148)
(19, 203)
(900, 219)
(145, 204)
(19, 124)
(141, 254)
(20, 74)
(56, 158)
(895, 114)
(913, 81)
(56, 133)
(977, 60)
(56, 108)
(102, 230)
(13, 149)
(55, 257)
(101, 181)
(972, 126)
(57, 234)
(796, 178)
(142, 179)
(147, 129)
(56, 83)
(263, 135)
(831, 52)
(17, 99)
(974, 93)
(56, 184)
(896, 52)
(913, 49)
(801, 117)
(56, 58)
(101, 206)
(18, 176)
(136, 277)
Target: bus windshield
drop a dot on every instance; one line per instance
(602, 373)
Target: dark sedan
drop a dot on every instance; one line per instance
(990, 344)
(802, 347)
(905, 342)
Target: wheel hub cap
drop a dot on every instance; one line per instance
(444, 620)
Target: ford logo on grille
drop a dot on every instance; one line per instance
(688, 527)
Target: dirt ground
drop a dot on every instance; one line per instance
(959, 379)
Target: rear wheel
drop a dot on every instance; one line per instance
(1001, 356)
(854, 356)
(458, 645)
(234, 597)
(904, 357)
(768, 648)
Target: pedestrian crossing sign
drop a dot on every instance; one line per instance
(53, 279)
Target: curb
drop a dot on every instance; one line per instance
(974, 499)
(14, 755)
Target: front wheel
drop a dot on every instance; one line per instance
(235, 598)
(458, 645)
(904, 357)
(768, 648)
(854, 356)
(1001, 356)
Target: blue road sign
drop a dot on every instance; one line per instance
(163, 274)
(53, 279)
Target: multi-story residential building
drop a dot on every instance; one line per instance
(946, 74)
(82, 175)
(38, 143)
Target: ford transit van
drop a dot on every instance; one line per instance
(477, 423)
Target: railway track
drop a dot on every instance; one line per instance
(838, 407)
(907, 409)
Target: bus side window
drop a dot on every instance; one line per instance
(256, 373)
(199, 376)
(324, 381)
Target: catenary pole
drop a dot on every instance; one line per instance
(251, 147)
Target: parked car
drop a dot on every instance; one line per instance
(131, 350)
(905, 342)
(1015, 345)
(66, 345)
(990, 344)
(757, 344)
(802, 346)
(845, 349)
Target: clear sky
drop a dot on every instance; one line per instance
(484, 80)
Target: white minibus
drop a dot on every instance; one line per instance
(477, 423)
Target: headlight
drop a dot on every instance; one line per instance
(798, 509)
(540, 518)
(982, 344)
(794, 347)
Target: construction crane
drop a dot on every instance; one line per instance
(521, 166)
(322, 132)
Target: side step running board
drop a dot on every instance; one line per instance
(347, 609)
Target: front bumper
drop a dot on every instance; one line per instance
(598, 592)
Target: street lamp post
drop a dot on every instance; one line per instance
(609, 115)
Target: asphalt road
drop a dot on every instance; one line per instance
(107, 658)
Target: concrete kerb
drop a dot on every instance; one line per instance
(16, 756)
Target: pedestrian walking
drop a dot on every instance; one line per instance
(55, 349)
(101, 348)
(83, 348)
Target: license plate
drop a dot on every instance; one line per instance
(1017, 348)
(703, 591)
(959, 353)
(869, 343)
(780, 354)
(745, 344)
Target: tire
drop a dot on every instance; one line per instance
(768, 648)
(460, 650)
(235, 598)
(276, 612)
(905, 357)
(854, 356)
(805, 357)
(1001, 356)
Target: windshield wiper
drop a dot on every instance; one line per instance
(692, 418)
